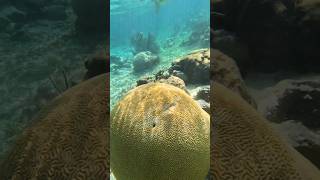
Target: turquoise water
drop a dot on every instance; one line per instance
(171, 24)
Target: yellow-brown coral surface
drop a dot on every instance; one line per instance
(159, 132)
(243, 146)
(68, 139)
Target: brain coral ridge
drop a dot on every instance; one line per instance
(159, 132)
(69, 139)
(243, 145)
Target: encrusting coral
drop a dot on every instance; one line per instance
(158, 132)
(69, 139)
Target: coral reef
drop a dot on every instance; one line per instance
(295, 99)
(195, 67)
(69, 139)
(282, 32)
(175, 81)
(34, 51)
(144, 61)
(239, 132)
(274, 45)
(159, 131)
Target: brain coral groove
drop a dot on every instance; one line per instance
(69, 139)
(159, 132)
(243, 146)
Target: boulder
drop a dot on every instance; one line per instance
(144, 60)
(175, 81)
(194, 66)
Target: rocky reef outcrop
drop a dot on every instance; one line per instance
(292, 106)
(144, 60)
(297, 100)
(193, 68)
(189, 73)
(274, 42)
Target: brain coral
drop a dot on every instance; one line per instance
(69, 139)
(159, 132)
(243, 146)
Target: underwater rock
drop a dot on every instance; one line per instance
(297, 134)
(144, 60)
(159, 132)
(239, 133)
(69, 139)
(97, 64)
(170, 79)
(141, 43)
(92, 15)
(195, 66)
(203, 93)
(174, 81)
(297, 100)
(179, 74)
(225, 71)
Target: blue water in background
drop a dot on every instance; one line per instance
(173, 20)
